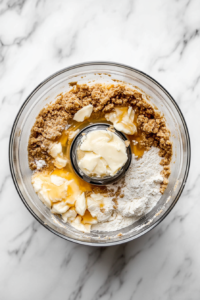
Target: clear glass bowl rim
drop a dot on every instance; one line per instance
(123, 66)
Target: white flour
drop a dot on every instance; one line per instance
(40, 164)
(141, 192)
(116, 222)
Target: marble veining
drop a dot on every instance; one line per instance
(161, 38)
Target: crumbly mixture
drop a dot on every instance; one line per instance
(53, 119)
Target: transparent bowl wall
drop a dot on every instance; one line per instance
(46, 92)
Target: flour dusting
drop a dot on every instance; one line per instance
(141, 191)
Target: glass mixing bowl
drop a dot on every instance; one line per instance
(100, 72)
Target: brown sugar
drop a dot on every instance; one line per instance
(52, 120)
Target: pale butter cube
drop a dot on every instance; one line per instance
(79, 226)
(95, 203)
(123, 120)
(60, 208)
(37, 184)
(55, 149)
(70, 215)
(44, 198)
(57, 180)
(60, 162)
(80, 204)
(83, 113)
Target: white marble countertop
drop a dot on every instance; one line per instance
(161, 38)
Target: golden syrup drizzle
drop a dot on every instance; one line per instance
(122, 111)
(76, 186)
(53, 191)
(87, 218)
(136, 148)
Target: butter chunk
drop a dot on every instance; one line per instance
(37, 184)
(104, 153)
(60, 162)
(55, 149)
(57, 180)
(79, 226)
(56, 152)
(83, 113)
(122, 119)
(89, 161)
(80, 204)
(41, 191)
(100, 207)
(70, 215)
(59, 208)
(42, 194)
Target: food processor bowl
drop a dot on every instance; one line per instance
(46, 92)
